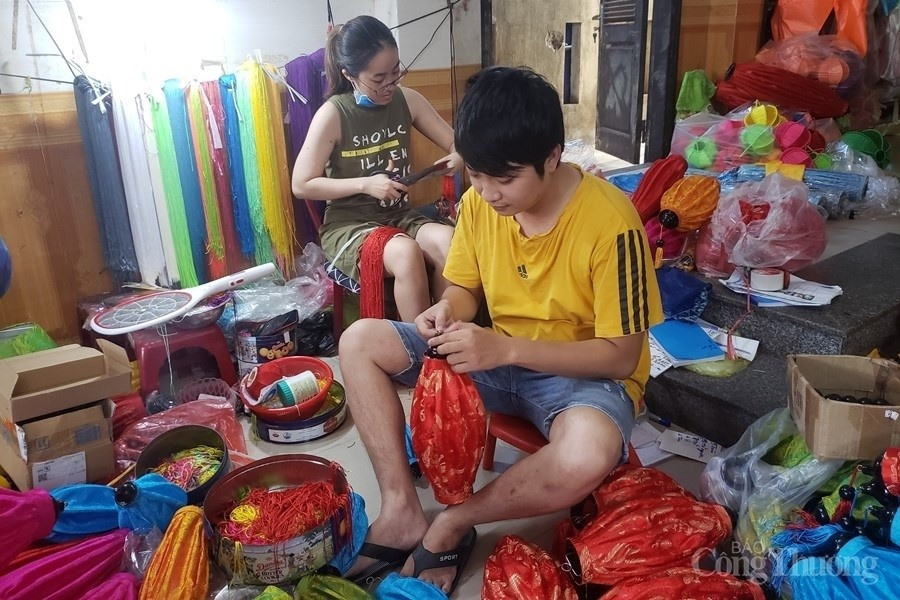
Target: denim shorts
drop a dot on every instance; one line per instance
(537, 397)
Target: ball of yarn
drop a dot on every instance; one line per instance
(758, 139)
(700, 153)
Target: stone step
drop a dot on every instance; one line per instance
(866, 316)
(720, 409)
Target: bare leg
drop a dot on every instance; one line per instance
(434, 239)
(584, 447)
(404, 261)
(370, 349)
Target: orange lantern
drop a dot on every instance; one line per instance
(179, 570)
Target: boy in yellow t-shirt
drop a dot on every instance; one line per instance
(561, 260)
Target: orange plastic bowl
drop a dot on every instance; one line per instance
(266, 374)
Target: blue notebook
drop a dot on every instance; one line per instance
(685, 343)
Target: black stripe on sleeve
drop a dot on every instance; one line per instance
(633, 240)
(623, 284)
(644, 298)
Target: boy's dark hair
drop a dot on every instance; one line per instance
(509, 118)
(351, 47)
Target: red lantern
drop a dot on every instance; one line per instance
(642, 536)
(686, 583)
(448, 429)
(517, 570)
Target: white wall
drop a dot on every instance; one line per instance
(466, 30)
(160, 39)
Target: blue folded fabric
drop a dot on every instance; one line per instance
(347, 556)
(397, 587)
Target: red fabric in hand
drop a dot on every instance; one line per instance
(448, 429)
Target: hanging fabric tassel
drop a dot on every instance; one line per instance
(237, 184)
(273, 93)
(106, 182)
(214, 116)
(306, 74)
(163, 219)
(179, 569)
(247, 128)
(187, 174)
(165, 163)
(148, 244)
(215, 249)
(269, 180)
(371, 272)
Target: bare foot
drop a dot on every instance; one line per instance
(402, 530)
(442, 536)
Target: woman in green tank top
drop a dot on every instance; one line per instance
(364, 127)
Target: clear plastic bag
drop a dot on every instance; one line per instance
(139, 549)
(769, 223)
(763, 494)
(217, 414)
(582, 154)
(826, 58)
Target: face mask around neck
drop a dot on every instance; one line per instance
(363, 100)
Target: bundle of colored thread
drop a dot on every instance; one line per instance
(191, 468)
(266, 516)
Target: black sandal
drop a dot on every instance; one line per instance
(385, 558)
(423, 559)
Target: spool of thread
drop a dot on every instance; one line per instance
(298, 388)
(768, 280)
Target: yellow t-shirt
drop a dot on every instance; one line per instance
(590, 276)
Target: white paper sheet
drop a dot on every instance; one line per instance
(800, 292)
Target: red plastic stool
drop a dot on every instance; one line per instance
(521, 434)
(150, 352)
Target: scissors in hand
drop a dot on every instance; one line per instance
(408, 180)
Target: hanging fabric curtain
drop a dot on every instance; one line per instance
(306, 74)
(188, 176)
(150, 154)
(106, 181)
(145, 229)
(167, 186)
(214, 117)
(267, 163)
(242, 222)
(215, 248)
(251, 168)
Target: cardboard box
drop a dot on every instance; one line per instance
(39, 371)
(64, 449)
(82, 382)
(61, 434)
(835, 429)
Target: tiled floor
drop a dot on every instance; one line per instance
(344, 447)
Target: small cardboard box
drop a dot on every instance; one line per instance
(62, 434)
(76, 380)
(841, 430)
(39, 371)
(63, 449)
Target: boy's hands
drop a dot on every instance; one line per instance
(435, 320)
(469, 347)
